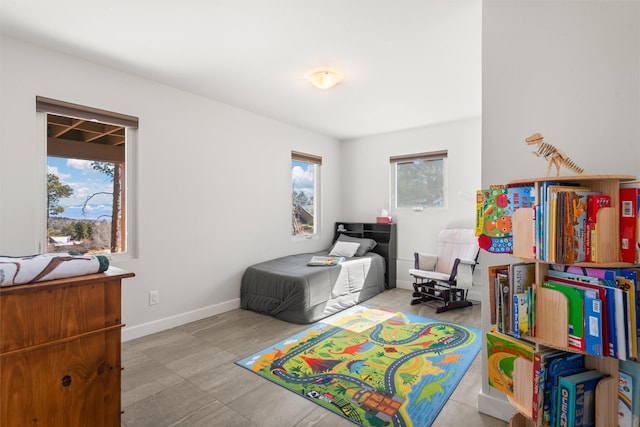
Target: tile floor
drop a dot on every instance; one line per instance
(186, 376)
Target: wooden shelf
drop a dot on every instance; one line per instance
(576, 178)
(519, 420)
(551, 310)
(607, 245)
(551, 307)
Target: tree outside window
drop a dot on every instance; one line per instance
(304, 203)
(86, 181)
(420, 180)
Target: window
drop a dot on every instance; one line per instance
(305, 172)
(86, 178)
(419, 180)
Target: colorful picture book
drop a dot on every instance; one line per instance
(317, 260)
(502, 351)
(625, 399)
(632, 369)
(494, 214)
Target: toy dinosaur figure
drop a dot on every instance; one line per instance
(554, 155)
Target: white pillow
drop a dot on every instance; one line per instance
(347, 249)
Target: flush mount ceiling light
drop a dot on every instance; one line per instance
(324, 79)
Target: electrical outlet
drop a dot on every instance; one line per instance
(154, 297)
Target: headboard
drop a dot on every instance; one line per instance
(383, 234)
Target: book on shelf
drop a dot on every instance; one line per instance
(541, 360)
(593, 335)
(614, 302)
(521, 314)
(542, 218)
(318, 260)
(520, 278)
(627, 281)
(625, 399)
(632, 369)
(499, 289)
(603, 295)
(502, 350)
(637, 307)
(574, 222)
(576, 404)
(594, 204)
(619, 295)
(593, 296)
(569, 364)
(629, 217)
(575, 310)
(554, 210)
(508, 280)
(567, 218)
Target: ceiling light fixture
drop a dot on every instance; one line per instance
(324, 79)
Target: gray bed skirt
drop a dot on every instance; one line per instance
(289, 289)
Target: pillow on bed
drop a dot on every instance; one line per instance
(365, 244)
(347, 249)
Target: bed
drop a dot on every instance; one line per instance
(289, 289)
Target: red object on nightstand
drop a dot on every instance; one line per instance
(384, 219)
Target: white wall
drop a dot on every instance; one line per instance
(366, 187)
(571, 71)
(213, 183)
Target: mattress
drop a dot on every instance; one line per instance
(289, 289)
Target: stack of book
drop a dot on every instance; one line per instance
(511, 298)
(566, 222)
(602, 306)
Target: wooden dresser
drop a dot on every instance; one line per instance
(60, 352)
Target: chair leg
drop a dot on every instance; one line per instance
(423, 292)
(458, 300)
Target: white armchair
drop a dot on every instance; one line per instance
(448, 275)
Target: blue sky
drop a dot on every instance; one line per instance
(302, 177)
(79, 175)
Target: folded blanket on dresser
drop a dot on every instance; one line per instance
(38, 268)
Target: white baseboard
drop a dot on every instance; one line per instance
(497, 407)
(137, 331)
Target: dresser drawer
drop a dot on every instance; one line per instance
(70, 383)
(36, 314)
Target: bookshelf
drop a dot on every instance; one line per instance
(551, 307)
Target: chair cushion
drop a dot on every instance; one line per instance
(423, 274)
(455, 243)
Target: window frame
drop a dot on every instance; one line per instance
(394, 161)
(316, 161)
(46, 106)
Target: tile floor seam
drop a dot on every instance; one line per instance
(210, 332)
